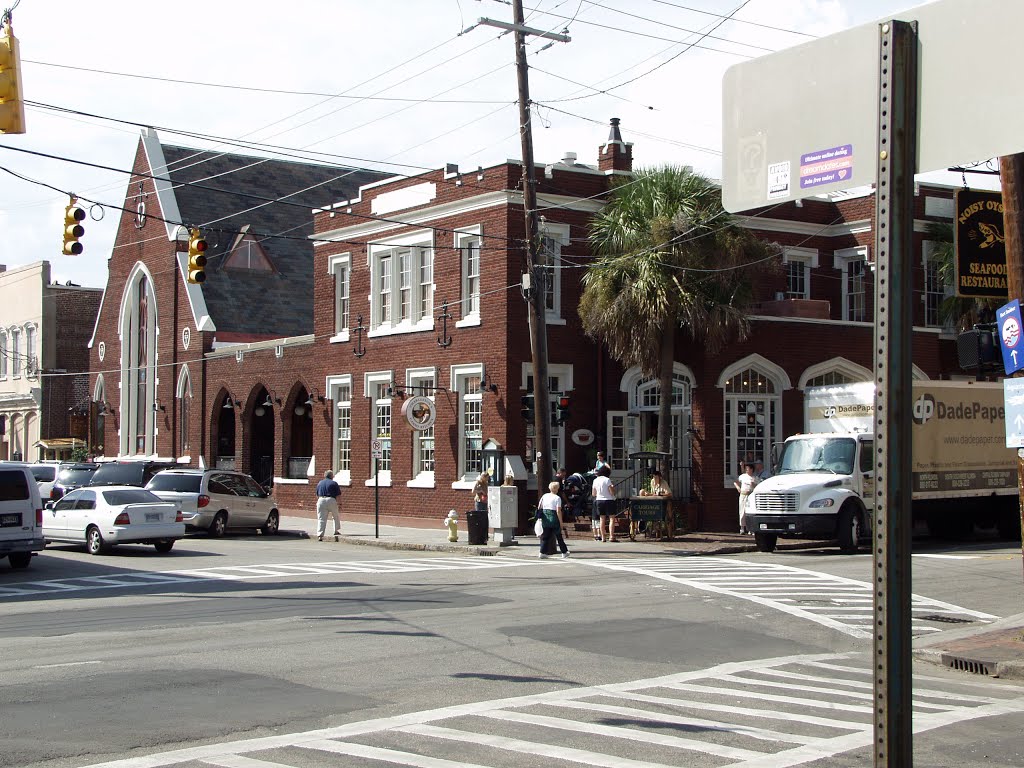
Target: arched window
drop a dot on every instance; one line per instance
(3, 354)
(138, 330)
(753, 390)
(838, 370)
(184, 393)
(99, 398)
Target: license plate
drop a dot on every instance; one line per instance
(153, 517)
(10, 520)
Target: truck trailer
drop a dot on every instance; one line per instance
(962, 476)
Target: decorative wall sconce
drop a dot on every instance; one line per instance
(106, 410)
(314, 397)
(158, 406)
(272, 398)
(486, 385)
(230, 402)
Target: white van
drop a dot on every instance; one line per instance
(21, 515)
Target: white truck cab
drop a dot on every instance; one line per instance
(817, 491)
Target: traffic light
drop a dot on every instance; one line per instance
(563, 409)
(196, 258)
(12, 106)
(527, 401)
(72, 229)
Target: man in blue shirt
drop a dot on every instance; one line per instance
(327, 492)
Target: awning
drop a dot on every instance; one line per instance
(60, 443)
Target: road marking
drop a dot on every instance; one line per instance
(150, 579)
(66, 664)
(945, 557)
(790, 731)
(832, 601)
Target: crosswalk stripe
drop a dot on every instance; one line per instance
(803, 702)
(384, 755)
(241, 761)
(707, 725)
(618, 732)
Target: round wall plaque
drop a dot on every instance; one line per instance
(420, 412)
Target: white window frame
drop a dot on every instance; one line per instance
(465, 239)
(4, 337)
(557, 234)
(927, 249)
(339, 389)
(840, 366)
(465, 477)
(386, 287)
(15, 338)
(373, 382)
(183, 390)
(421, 382)
(806, 256)
(844, 259)
(31, 369)
(773, 410)
(340, 267)
(560, 379)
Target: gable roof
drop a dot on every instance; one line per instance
(221, 194)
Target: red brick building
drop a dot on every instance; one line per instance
(416, 316)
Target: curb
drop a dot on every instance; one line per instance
(1007, 670)
(477, 549)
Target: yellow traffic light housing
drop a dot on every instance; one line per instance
(72, 229)
(196, 257)
(12, 105)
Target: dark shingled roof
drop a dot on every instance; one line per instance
(269, 304)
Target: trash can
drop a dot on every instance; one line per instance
(476, 526)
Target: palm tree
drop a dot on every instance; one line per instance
(669, 258)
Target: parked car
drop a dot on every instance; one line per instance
(45, 472)
(21, 515)
(128, 472)
(101, 517)
(216, 499)
(70, 476)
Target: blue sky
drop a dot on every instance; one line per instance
(398, 85)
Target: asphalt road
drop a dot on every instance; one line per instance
(295, 653)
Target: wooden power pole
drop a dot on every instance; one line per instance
(535, 281)
(1011, 173)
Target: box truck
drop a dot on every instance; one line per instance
(962, 475)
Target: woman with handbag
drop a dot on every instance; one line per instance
(549, 515)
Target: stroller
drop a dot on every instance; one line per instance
(576, 489)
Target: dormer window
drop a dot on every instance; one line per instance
(247, 253)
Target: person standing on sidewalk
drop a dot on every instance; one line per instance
(327, 492)
(603, 491)
(549, 510)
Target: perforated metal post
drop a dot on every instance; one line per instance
(891, 529)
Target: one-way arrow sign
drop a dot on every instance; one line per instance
(1008, 326)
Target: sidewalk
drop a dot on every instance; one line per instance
(995, 649)
(435, 539)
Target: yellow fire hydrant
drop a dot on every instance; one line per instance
(452, 522)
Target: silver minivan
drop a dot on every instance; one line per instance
(217, 499)
(21, 515)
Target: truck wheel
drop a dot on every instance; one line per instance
(20, 559)
(765, 542)
(849, 530)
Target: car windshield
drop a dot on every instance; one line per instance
(75, 475)
(819, 454)
(44, 474)
(117, 474)
(175, 482)
(129, 496)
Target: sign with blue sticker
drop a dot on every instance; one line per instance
(1008, 325)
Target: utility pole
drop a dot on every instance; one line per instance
(1011, 173)
(535, 279)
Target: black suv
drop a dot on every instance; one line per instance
(128, 472)
(71, 476)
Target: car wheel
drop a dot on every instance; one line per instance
(163, 547)
(94, 543)
(20, 559)
(219, 525)
(849, 530)
(272, 525)
(765, 542)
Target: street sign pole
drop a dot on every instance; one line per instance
(890, 541)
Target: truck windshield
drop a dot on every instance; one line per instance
(818, 454)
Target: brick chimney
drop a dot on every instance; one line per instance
(616, 154)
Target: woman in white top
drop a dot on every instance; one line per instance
(549, 512)
(603, 492)
(745, 484)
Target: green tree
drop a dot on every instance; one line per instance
(669, 258)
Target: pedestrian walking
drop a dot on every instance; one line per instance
(327, 492)
(549, 512)
(603, 508)
(745, 484)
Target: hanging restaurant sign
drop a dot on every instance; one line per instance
(420, 412)
(980, 245)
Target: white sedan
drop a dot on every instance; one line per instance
(112, 514)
